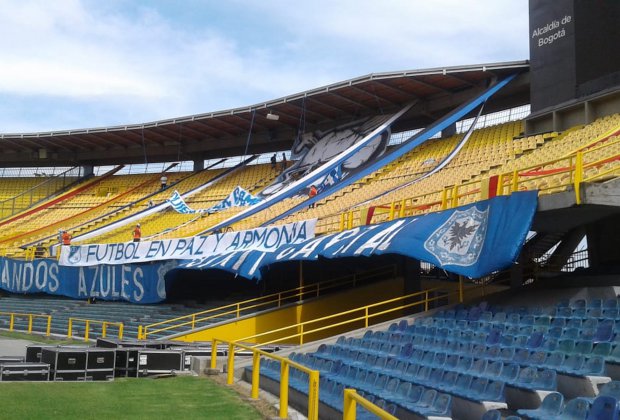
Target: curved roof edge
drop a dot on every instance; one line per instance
(488, 67)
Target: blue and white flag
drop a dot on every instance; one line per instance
(332, 178)
(237, 198)
(473, 240)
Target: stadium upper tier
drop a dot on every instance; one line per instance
(549, 162)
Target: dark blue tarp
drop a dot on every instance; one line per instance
(473, 240)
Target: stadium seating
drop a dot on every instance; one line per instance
(479, 356)
(131, 315)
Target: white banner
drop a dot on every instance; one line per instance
(260, 239)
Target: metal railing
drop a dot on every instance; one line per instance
(351, 397)
(276, 300)
(31, 317)
(285, 364)
(600, 160)
(313, 375)
(354, 318)
(89, 322)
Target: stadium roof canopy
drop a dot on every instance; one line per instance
(434, 92)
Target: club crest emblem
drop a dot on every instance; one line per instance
(459, 240)
(74, 254)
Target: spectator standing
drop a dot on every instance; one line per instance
(273, 161)
(66, 238)
(137, 233)
(164, 181)
(311, 194)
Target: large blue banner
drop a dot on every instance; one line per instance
(473, 240)
(137, 283)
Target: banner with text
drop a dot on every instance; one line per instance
(262, 239)
(473, 240)
(137, 283)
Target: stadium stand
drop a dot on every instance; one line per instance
(540, 343)
(470, 361)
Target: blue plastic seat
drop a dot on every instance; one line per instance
(476, 391)
(507, 354)
(492, 415)
(573, 363)
(578, 304)
(521, 356)
(555, 360)
(594, 366)
(526, 377)
(479, 366)
(595, 303)
(611, 303)
(602, 349)
(551, 407)
(555, 332)
(566, 346)
(604, 332)
(494, 391)
(441, 407)
(571, 333)
(463, 382)
(510, 372)
(448, 381)
(575, 409)
(550, 344)
(594, 312)
(558, 321)
(464, 364)
(401, 393)
(574, 323)
(604, 407)
(537, 358)
(494, 369)
(584, 347)
(535, 340)
(543, 321)
(545, 380)
(492, 352)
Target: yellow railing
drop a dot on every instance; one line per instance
(351, 397)
(274, 300)
(313, 375)
(13, 315)
(599, 162)
(285, 364)
(89, 322)
(354, 318)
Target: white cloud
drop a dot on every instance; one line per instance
(139, 64)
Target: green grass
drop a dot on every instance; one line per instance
(127, 398)
(38, 338)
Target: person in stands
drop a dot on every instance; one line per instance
(66, 238)
(137, 233)
(273, 161)
(284, 163)
(311, 194)
(164, 181)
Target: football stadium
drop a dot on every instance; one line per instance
(431, 243)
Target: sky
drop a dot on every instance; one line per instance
(69, 64)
